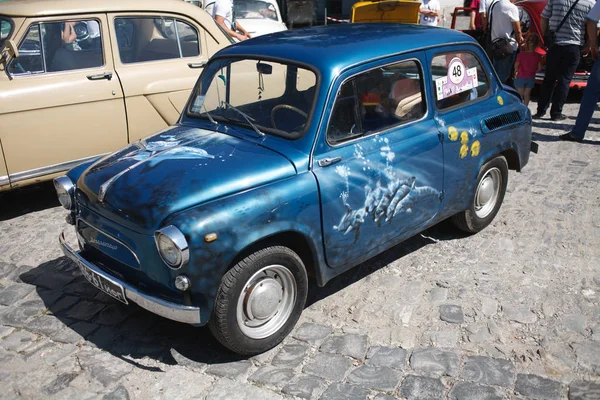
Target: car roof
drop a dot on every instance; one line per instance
(336, 47)
(42, 8)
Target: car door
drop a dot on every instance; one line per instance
(4, 181)
(60, 101)
(379, 161)
(462, 96)
(159, 57)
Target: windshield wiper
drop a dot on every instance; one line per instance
(248, 118)
(209, 116)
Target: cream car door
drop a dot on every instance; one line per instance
(4, 181)
(63, 102)
(158, 59)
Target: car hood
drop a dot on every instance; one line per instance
(144, 183)
(257, 27)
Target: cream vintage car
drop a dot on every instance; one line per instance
(83, 78)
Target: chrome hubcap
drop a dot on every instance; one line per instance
(266, 302)
(487, 192)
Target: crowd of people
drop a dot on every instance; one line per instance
(569, 29)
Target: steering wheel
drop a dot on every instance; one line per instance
(82, 31)
(285, 107)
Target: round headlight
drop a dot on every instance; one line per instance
(172, 246)
(64, 190)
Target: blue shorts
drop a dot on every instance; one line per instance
(524, 83)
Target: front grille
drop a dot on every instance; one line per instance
(501, 120)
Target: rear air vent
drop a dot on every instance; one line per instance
(501, 120)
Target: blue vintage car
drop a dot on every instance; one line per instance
(300, 154)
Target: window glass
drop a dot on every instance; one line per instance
(59, 46)
(5, 28)
(458, 79)
(376, 100)
(525, 20)
(150, 39)
(30, 60)
(188, 38)
(266, 93)
(254, 9)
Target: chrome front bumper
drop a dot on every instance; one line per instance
(174, 311)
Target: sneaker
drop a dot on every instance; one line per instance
(568, 138)
(538, 115)
(559, 117)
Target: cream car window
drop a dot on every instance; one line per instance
(149, 39)
(59, 46)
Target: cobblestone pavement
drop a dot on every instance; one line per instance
(512, 312)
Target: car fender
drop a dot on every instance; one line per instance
(223, 231)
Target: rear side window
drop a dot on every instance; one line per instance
(59, 46)
(458, 79)
(149, 39)
(376, 100)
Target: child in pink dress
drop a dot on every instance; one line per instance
(528, 62)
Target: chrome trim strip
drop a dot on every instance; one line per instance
(166, 309)
(51, 169)
(110, 236)
(4, 180)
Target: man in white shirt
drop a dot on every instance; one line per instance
(430, 11)
(222, 12)
(505, 24)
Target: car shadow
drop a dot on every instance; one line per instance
(18, 202)
(133, 334)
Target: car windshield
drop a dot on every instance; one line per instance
(5, 30)
(254, 9)
(266, 96)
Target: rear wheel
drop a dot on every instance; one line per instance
(488, 197)
(260, 300)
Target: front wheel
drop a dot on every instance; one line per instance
(488, 197)
(260, 300)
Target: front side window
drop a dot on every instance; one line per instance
(377, 100)
(6, 27)
(524, 19)
(59, 46)
(458, 79)
(150, 39)
(271, 97)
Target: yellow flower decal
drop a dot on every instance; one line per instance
(500, 100)
(452, 133)
(475, 147)
(464, 149)
(464, 137)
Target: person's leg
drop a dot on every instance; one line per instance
(590, 98)
(569, 60)
(503, 66)
(547, 86)
(526, 96)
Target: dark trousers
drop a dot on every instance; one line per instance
(561, 63)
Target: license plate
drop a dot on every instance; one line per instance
(108, 286)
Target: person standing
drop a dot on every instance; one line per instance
(566, 18)
(591, 94)
(430, 11)
(222, 12)
(505, 26)
(474, 22)
(528, 62)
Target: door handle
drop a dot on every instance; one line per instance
(197, 64)
(97, 77)
(329, 161)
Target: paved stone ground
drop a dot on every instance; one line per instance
(512, 312)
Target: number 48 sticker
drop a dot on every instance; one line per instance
(456, 71)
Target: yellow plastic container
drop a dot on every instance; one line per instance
(386, 11)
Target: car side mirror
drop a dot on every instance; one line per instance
(10, 50)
